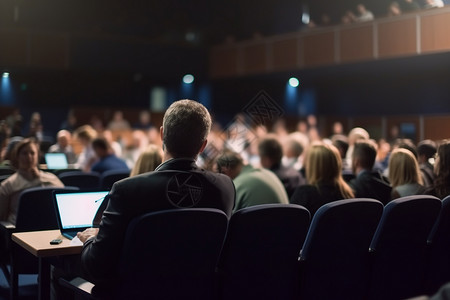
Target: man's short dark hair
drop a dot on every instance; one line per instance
(427, 148)
(366, 152)
(406, 144)
(186, 125)
(270, 147)
(100, 143)
(228, 159)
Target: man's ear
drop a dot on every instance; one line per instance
(161, 133)
(203, 146)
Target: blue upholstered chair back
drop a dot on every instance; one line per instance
(439, 250)
(108, 178)
(335, 257)
(260, 256)
(36, 211)
(172, 254)
(399, 247)
(82, 180)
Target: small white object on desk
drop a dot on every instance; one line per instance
(76, 241)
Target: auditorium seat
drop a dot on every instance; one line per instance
(260, 255)
(108, 178)
(439, 250)
(334, 261)
(35, 212)
(4, 170)
(399, 247)
(82, 180)
(168, 254)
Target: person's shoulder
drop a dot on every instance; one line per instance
(307, 189)
(9, 181)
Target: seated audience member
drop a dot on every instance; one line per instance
(348, 18)
(323, 166)
(355, 135)
(341, 143)
(253, 185)
(404, 174)
(7, 152)
(118, 122)
(441, 184)
(394, 9)
(368, 183)
(25, 160)
(433, 4)
(107, 160)
(136, 146)
(382, 158)
(270, 153)
(116, 147)
(85, 134)
(63, 145)
(186, 125)
(426, 150)
(148, 160)
(364, 14)
(293, 146)
(70, 123)
(410, 5)
(144, 121)
(35, 127)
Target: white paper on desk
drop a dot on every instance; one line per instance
(76, 242)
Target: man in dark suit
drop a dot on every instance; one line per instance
(176, 183)
(368, 183)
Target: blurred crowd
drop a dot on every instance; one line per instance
(363, 13)
(306, 164)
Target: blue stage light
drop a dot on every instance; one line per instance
(188, 78)
(293, 82)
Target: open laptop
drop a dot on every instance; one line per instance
(76, 210)
(56, 161)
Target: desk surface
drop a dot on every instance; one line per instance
(38, 243)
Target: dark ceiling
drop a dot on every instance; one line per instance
(201, 22)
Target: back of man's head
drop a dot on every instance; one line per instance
(270, 149)
(426, 148)
(365, 153)
(101, 146)
(186, 125)
(229, 163)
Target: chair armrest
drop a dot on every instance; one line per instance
(80, 286)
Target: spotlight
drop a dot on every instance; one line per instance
(293, 82)
(188, 78)
(5, 75)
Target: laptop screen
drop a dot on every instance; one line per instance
(77, 209)
(56, 161)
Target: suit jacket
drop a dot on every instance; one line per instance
(290, 177)
(371, 185)
(177, 183)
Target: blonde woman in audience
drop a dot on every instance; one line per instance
(323, 166)
(148, 160)
(25, 160)
(404, 174)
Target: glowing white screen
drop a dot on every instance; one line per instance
(79, 209)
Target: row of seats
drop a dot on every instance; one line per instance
(257, 252)
(82, 180)
(93, 180)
